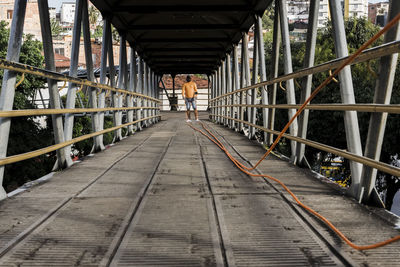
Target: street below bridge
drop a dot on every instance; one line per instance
(168, 196)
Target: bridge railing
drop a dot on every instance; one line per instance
(233, 101)
(136, 93)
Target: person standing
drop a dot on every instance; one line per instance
(189, 93)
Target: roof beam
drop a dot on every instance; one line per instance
(149, 9)
(183, 40)
(167, 27)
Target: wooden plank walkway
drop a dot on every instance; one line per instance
(168, 196)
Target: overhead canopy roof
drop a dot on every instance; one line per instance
(182, 36)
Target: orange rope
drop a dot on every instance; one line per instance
(326, 82)
(314, 93)
(301, 204)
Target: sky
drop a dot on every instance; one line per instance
(57, 3)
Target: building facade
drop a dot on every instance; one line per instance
(377, 13)
(67, 12)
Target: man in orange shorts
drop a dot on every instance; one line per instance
(189, 93)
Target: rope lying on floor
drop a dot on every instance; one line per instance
(215, 140)
(246, 169)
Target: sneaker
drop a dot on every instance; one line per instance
(197, 120)
(188, 121)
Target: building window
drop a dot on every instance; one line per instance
(59, 51)
(9, 14)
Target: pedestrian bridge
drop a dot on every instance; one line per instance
(213, 192)
(168, 196)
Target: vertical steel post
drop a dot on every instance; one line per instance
(246, 71)
(236, 86)
(97, 146)
(121, 84)
(228, 88)
(140, 90)
(263, 74)
(242, 95)
(218, 119)
(223, 90)
(103, 73)
(62, 160)
(377, 123)
(307, 83)
(287, 64)
(145, 92)
(253, 113)
(347, 95)
(9, 78)
(275, 65)
(212, 109)
(71, 95)
(131, 88)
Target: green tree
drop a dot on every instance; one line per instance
(328, 126)
(56, 28)
(26, 128)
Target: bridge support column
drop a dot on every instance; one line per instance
(246, 72)
(117, 98)
(140, 90)
(218, 93)
(103, 73)
(347, 95)
(263, 74)
(131, 88)
(377, 123)
(9, 78)
(212, 109)
(254, 80)
(145, 92)
(71, 95)
(229, 89)
(97, 145)
(236, 86)
(287, 63)
(274, 72)
(307, 82)
(223, 91)
(57, 122)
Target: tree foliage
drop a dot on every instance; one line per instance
(328, 126)
(26, 128)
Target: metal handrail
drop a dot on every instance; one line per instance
(392, 109)
(39, 112)
(368, 54)
(348, 155)
(42, 151)
(23, 68)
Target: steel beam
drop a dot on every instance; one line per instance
(103, 73)
(347, 95)
(154, 9)
(377, 123)
(71, 95)
(145, 92)
(254, 80)
(57, 121)
(131, 88)
(229, 88)
(97, 145)
(307, 82)
(263, 73)
(236, 85)
(9, 78)
(246, 70)
(223, 90)
(121, 84)
(140, 90)
(287, 63)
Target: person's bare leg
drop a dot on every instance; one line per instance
(188, 114)
(196, 113)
